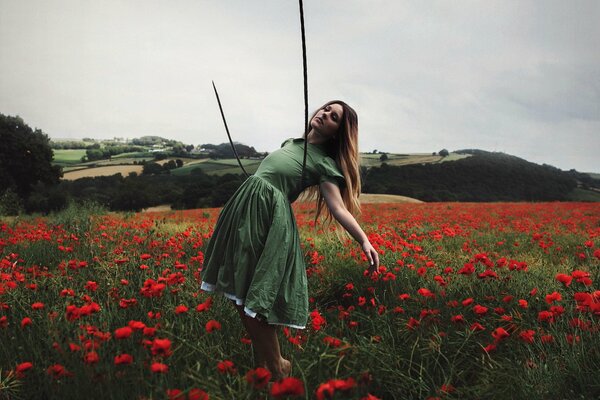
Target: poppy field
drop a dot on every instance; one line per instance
(471, 301)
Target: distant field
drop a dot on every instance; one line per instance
(584, 195)
(593, 175)
(137, 154)
(68, 156)
(73, 169)
(102, 171)
(218, 167)
(373, 160)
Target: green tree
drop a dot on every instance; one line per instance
(25, 157)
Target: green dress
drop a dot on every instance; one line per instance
(254, 256)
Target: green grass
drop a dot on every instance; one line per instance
(584, 195)
(68, 156)
(219, 167)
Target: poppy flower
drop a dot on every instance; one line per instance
(523, 303)
(137, 325)
(457, 319)
(259, 377)
(327, 390)
(204, 306)
(123, 333)
(57, 371)
(467, 302)
(26, 322)
(157, 367)
(226, 367)
(287, 387)
(91, 357)
(476, 326)
(197, 394)
(500, 333)
(425, 292)
(554, 296)
(527, 336)
(161, 347)
(123, 359)
(317, 320)
(175, 394)
(181, 309)
(412, 323)
(37, 306)
(564, 279)
(332, 342)
(212, 325)
(22, 368)
(480, 310)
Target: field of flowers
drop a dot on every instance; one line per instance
(471, 301)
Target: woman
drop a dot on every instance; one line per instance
(254, 256)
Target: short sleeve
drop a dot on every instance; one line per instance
(329, 172)
(286, 142)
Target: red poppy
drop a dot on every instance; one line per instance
(212, 325)
(22, 368)
(317, 320)
(197, 394)
(161, 347)
(480, 310)
(91, 357)
(25, 322)
(123, 333)
(259, 377)
(157, 367)
(523, 303)
(412, 323)
(499, 334)
(457, 319)
(287, 387)
(204, 306)
(181, 309)
(175, 394)
(425, 292)
(137, 325)
(226, 367)
(124, 358)
(564, 279)
(37, 306)
(527, 336)
(476, 326)
(58, 371)
(332, 342)
(554, 296)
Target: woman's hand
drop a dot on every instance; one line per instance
(372, 255)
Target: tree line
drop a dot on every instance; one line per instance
(485, 176)
(29, 181)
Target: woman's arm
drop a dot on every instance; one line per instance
(333, 199)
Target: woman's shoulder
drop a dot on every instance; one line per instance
(288, 140)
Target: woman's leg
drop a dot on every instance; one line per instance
(259, 361)
(266, 344)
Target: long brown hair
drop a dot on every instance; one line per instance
(343, 148)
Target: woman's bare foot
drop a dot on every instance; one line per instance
(283, 370)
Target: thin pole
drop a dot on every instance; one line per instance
(227, 130)
(305, 94)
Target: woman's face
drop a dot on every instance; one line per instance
(326, 121)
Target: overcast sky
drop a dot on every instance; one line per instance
(521, 77)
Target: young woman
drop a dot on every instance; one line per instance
(254, 256)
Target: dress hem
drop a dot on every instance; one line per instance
(209, 287)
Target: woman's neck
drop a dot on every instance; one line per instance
(315, 138)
